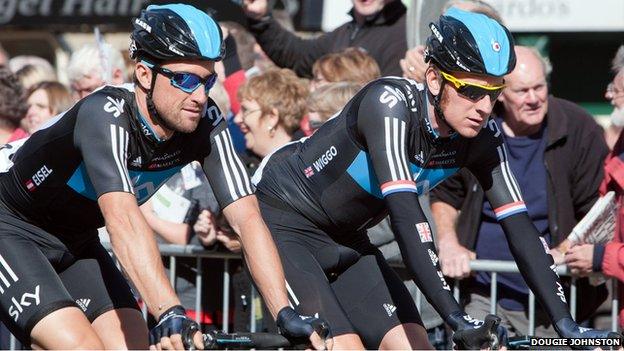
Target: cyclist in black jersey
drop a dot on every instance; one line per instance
(394, 140)
(92, 166)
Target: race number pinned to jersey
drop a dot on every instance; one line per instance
(424, 232)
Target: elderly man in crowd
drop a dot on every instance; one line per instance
(372, 24)
(556, 151)
(94, 65)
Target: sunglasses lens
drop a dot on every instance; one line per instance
(210, 82)
(188, 82)
(475, 93)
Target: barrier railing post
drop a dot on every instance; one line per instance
(615, 304)
(531, 330)
(172, 271)
(199, 311)
(252, 313)
(573, 298)
(493, 291)
(226, 295)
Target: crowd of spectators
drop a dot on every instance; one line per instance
(275, 87)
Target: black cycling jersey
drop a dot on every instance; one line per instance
(374, 157)
(382, 143)
(103, 144)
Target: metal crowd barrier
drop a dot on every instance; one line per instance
(495, 267)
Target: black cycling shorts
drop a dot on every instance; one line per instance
(352, 287)
(39, 275)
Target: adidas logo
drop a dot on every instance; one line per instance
(83, 303)
(389, 309)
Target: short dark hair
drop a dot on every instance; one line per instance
(13, 106)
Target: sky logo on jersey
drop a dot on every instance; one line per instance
(308, 172)
(325, 159)
(26, 300)
(38, 178)
(509, 210)
(114, 106)
(424, 232)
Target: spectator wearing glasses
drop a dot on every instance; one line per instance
(555, 149)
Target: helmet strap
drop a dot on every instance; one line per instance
(438, 109)
(151, 108)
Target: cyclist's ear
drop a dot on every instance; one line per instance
(433, 79)
(142, 75)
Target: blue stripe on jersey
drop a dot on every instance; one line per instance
(429, 178)
(145, 183)
(362, 172)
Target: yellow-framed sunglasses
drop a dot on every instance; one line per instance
(472, 91)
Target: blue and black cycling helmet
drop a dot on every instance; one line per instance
(464, 41)
(176, 31)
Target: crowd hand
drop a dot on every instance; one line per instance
(455, 259)
(230, 241)
(175, 331)
(413, 65)
(568, 328)
(255, 9)
(557, 255)
(205, 228)
(580, 259)
(473, 333)
(296, 327)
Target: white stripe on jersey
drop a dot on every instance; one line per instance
(510, 181)
(119, 145)
(395, 149)
(403, 147)
(228, 177)
(238, 162)
(230, 160)
(387, 131)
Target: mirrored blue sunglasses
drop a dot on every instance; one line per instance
(185, 81)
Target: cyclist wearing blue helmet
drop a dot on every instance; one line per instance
(394, 140)
(92, 166)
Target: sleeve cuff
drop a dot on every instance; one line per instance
(599, 251)
(259, 25)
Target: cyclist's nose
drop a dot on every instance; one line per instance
(199, 95)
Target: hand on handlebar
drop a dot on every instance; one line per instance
(473, 334)
(175, 331)
(297, 327)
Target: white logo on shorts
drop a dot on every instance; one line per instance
(389, 309)
(83, 303)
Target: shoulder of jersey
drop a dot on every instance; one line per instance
(115, 100)
(397, 89)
